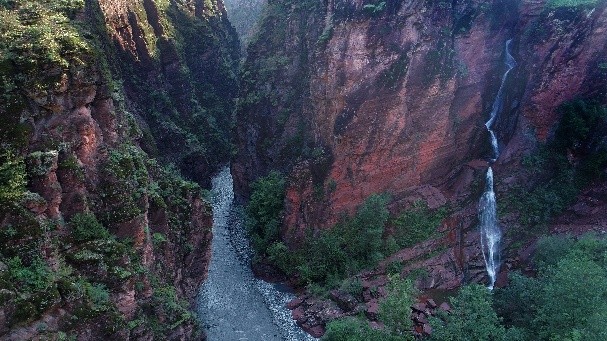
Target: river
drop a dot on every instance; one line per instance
(233, 304)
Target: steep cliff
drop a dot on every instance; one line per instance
(244, 14)
(352, 98)
(99, 239)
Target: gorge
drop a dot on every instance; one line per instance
(160, 157)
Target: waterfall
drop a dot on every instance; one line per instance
(489, 227)
(490, 230)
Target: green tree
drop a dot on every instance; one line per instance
(573, 293)
(518, 302)
(472, 318)
(395, 309)
(86, 227)
(265, 209)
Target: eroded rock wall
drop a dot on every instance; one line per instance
(106, 242)
(355, 97)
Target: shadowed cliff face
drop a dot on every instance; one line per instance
(100, 239)
(177, 61)
(352, 98)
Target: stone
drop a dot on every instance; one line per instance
(317, 331)
(372, 311)
(344, 300)
(421, 307)
(445, 307)
(294, 303)
(298, 314)
(427, 329)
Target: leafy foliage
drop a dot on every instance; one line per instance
(417, 224)
(12, 178)
(575, 157)
(265, 209)
(565, 302)
(86, 227)
(570, 3)
(472, 318)
(395, 311)
(333, 254)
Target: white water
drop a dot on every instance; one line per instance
(233, 304)
(499, 101)
(490, 231)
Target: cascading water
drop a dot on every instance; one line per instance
(233, 304)
(490, 231)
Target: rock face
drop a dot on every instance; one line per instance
(177, 62)
(353, 98)
(104, 242)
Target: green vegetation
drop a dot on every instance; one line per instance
(566, 301)
(328, 256)
(570, 3)
(417, 224)
(395, 309)
(472, 318)
(85, 227)
(334, 254)
(264, 211)
(39, 43)
(375, 9)
(394, 314)
(12, 179)
(571, 161)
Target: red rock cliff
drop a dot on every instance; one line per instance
(349, 99)
(104, 242)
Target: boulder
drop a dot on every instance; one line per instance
(344, 300)
(372, 310)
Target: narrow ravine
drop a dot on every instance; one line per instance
(233, 304)
(491, 233)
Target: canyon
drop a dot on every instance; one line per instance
(396, 102)
(124, 123)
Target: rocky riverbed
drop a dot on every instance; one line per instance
(233, 304)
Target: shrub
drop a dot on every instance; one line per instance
(30, 278)
(12, 178)
(570, 3)
(375, 9)
(395, 309)
(558, 180)
(573, 295)
(567, 299)
(356, 329)
(264, 210)
(346, 248)
(472, 318)
(417, 224)
(86, 227)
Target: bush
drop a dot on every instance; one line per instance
(12, 178)
(472, 318)
(570, 3)
(264, 211)
(394, 313)
(356, 329)
(572, 292)
(395, 309)
(30, 278)
(567, 299)
(417, 224)
(558, 178)
(346, 248)
(86, 227)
